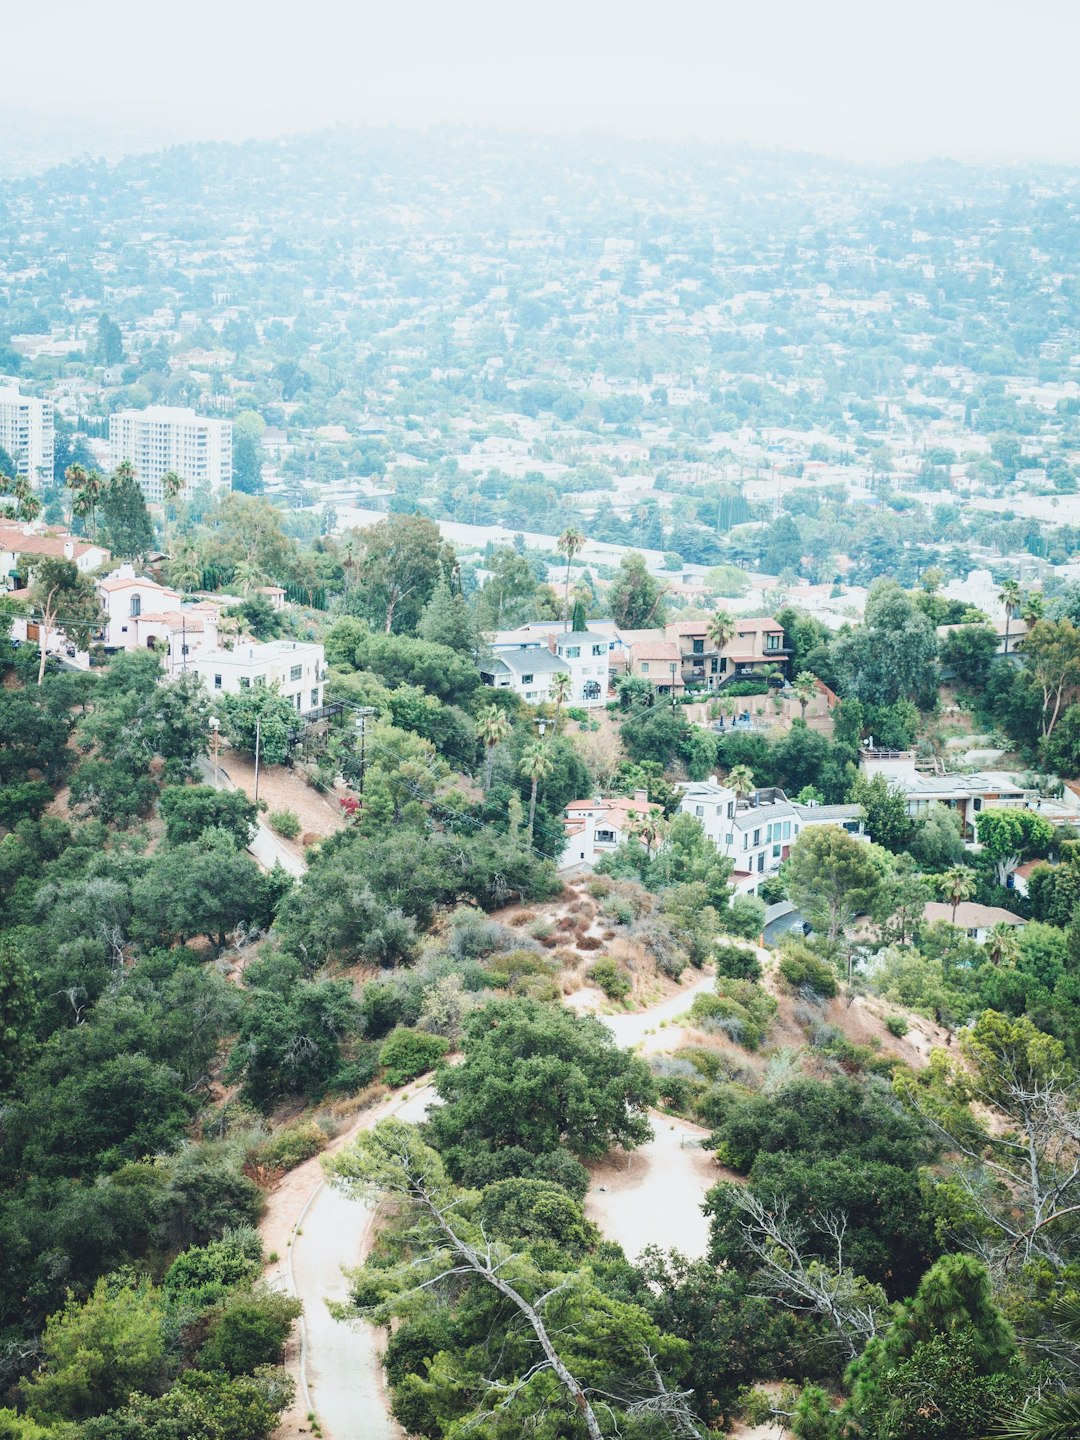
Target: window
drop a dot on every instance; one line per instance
(573, 652)
(527, 679)
(183, 649)
(761, 860)
(136, 606)
(599, 649)
(260, 680)
(645, 667)
(699, 809)
(787, 829)
(772, 642)
(698, 647)
(605, 837)
(314, 699)
(757, 836)
(296, 672)
(245, 683)
(731, 809)
(745, 841)
(217, 682)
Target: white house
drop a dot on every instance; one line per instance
(975, 920)
(757, 832)
(584, 653)
(297, 668)
(19, 542)
(595, 827)
(141, 614)
(527, 672)
(968, 795)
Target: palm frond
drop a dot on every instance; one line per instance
(1055, 1417)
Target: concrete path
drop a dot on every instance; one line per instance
(267, 848)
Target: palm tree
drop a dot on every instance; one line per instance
(1002, 944)
(720, 630)
(1051, 1416)
(248, 575)
(492, 729)
(28, 504)
(185, 566)
(1010, 598)
(740, 778)
(536, 765)
(559, 691)
(1034, 608)
(805, 688)
(87, 488)
(648, 828)
(171, 485)
(957, 884)
(570, 543)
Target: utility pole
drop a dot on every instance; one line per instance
(674, 667)
(258, 742)
(362, 713)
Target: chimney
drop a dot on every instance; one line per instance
(69, 549)
(641, 797)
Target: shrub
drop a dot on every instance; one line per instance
(408, 1053)
(205, 1274)
(619, 909)
(736, 962)
(605, 974)
(800, 967)
(598, 887)
(897, 1025)
(745, 916)
(741, 1009)
(589, 942)
(285, 823)
(292, 1145)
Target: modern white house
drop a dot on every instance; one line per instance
(967, 794)
(171, 437)
(586, 653)
(27, 432)
(756, 832)
(142, 614)
(297, 668)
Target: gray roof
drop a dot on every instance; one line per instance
(828, 812)
(582, 637)
(532, 662)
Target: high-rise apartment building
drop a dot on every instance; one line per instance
(26, 432)
(163, 438)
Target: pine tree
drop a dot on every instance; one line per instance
(447, 620)
(127, 520)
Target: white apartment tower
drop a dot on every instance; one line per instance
(165, 437)
(26, 432)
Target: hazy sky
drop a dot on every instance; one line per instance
(965, 78)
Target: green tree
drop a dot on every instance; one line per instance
(635, 599)
(535, 1078)
(1010, 598)
(891, 656)
(260, 713)
(1051, 655)
(403, 557)
(1009, 837)
(97, 1352)
(189, 810)
(250, 1332)
(831, 877)
(62, 598)
(968, 652)
(127, 520)
(447, 620)
(936, 842)
(885, 808)
(1049, 1416)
